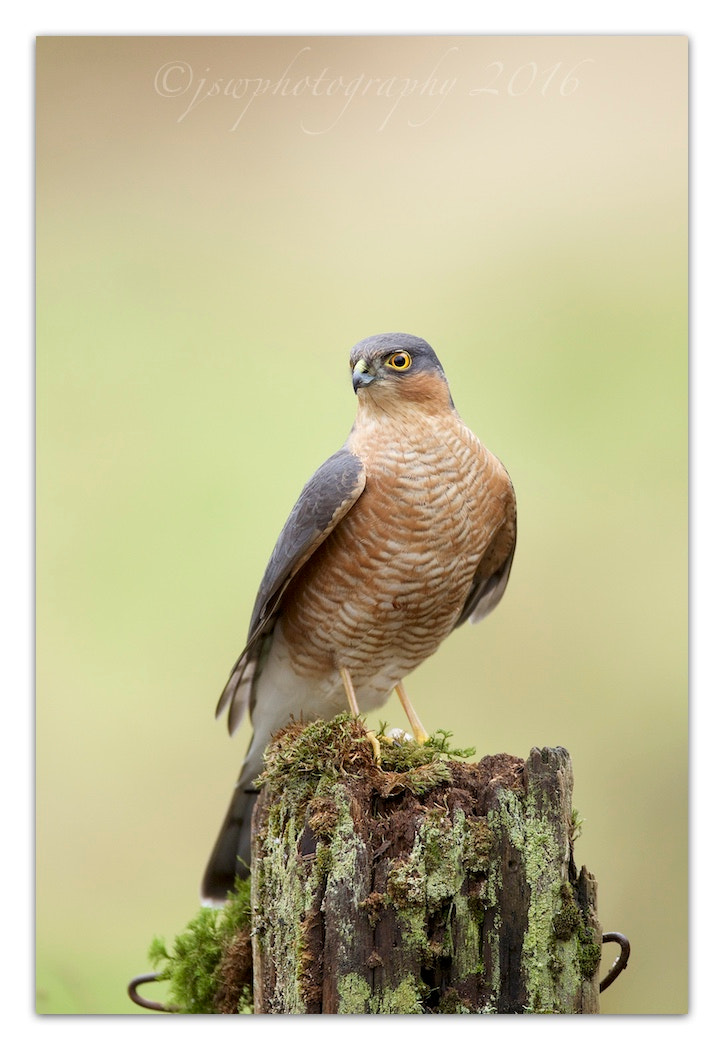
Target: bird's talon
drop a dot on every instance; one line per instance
(377, 750)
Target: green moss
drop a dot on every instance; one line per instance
(401, 753)
(568, 918)
(305, 755)
(192, 967)
(589, 953)
(299, 752)
(443, 890)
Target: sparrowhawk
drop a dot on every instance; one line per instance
(400, 537)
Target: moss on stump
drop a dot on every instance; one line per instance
(422, 884)
(417, 884)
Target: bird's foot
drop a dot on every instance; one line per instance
(376, 749)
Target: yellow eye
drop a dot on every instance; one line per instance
(400, 360)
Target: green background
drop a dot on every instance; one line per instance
(201, 275)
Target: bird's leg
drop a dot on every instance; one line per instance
(418, 728)
(349, 690)
(354, 708)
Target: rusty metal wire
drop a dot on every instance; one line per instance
(147, 1004)
(621, 963)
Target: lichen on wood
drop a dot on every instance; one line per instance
(422, 884)
(412, 883)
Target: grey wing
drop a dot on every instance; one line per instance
(491, 577)
(324, 501)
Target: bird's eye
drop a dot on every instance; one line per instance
(399, 361)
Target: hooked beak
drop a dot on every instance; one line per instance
(361, 375)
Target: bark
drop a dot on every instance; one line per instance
(422, 885)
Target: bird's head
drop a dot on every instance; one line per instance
(395, 369)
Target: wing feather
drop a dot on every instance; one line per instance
(325, 499)
(491, 577)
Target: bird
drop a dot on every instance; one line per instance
(401, 536)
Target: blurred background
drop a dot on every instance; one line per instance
(218, 221)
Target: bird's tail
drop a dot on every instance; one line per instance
(231, 855)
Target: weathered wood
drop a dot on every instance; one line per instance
(429, 885)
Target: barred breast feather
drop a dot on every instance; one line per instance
(392, 580)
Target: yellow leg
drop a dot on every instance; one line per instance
(349, 690)
(354, 708)
(418, 728)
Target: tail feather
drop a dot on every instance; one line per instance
(279, 696)
(231, 855)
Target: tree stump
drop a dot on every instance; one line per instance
(417, 883)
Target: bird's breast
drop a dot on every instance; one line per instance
(388, 584)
